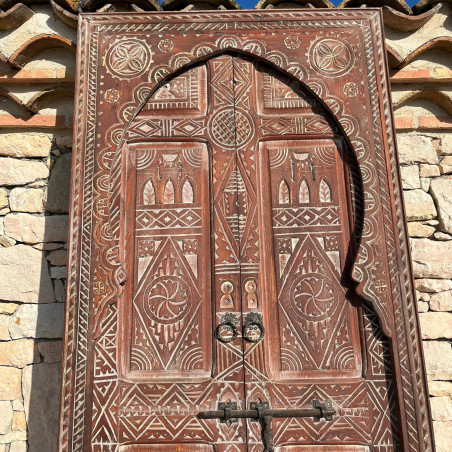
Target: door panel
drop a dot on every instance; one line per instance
(237, 236)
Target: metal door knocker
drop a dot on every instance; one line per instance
(253, 328)
(227, 331)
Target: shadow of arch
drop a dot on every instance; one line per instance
(349, 155)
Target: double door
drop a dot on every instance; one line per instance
(236, 245)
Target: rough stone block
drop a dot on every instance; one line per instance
(6, 417)
(443, 434)
(41, 406)
(441, 301)
(440, 388)
(428, 170)
(433, 285)
(10, 386)
(419, 205)
(25, 145)
(26, 200)
(431, 259)
(27, 228)
(58, 189)
(436, 325)
(18, 446)
(446, 165)
(441, 189)
(410, 177)
(7, 308)
(19, 421)
(38, 321)
(416, 149)
(4, 328)
(18, 353)
(438, 356)
(441, 408)
(417, 229)
(51, 351)
(3, 198)
(25, 275)
(58, 257)
(58, 272)
(21, 172)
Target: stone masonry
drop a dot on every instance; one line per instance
(37, 73)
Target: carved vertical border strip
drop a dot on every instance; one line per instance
(68, 371)
(406, 324)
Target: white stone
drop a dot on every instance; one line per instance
(440, 388)
(26, 200)
(441, 408)
(25, 145)
(431, 259)
(443, 434)
(21, 172)
(422, 306)
(37, 321)
(18, 446)
(3, 198)
(441, 190)
(433, 285)
(419, 205)
(41, 406)
(18, 353)
(428, 170)
(416, 149)
(441, 301)
(436, 325)
(410, 177)
(446, 144)
(24, 275)
(10, 388)
(438, 356)
(425, 183)
(4, 328)
(417, 229)
(446, 165)
(6, 416)
(6, 242)
(442, 236)
(27, 228)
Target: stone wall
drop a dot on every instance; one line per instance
(37, 62)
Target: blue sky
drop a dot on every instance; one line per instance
(249, 4)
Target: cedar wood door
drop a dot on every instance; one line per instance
(234, 201)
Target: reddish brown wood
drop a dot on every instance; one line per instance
(227, 168)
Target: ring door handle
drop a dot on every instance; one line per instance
(253, 328)
(227, 331)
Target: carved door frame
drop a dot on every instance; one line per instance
(382, 266)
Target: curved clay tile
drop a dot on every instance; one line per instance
(14, 99)
(178, 5)
(398, 5)
(437, 97)
(37, 44)
(37, 102)
(15, 17)
(440, 43)
(425, 5)
(69, 18)
(263, 4)
(394, 59)
(96, 5)
(405, 22)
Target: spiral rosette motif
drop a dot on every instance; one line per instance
(312, 298)
(331, 56)
(128, 58)
(167, 300)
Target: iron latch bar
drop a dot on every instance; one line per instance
(260, 411)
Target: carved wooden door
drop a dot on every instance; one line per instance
(231, 202)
